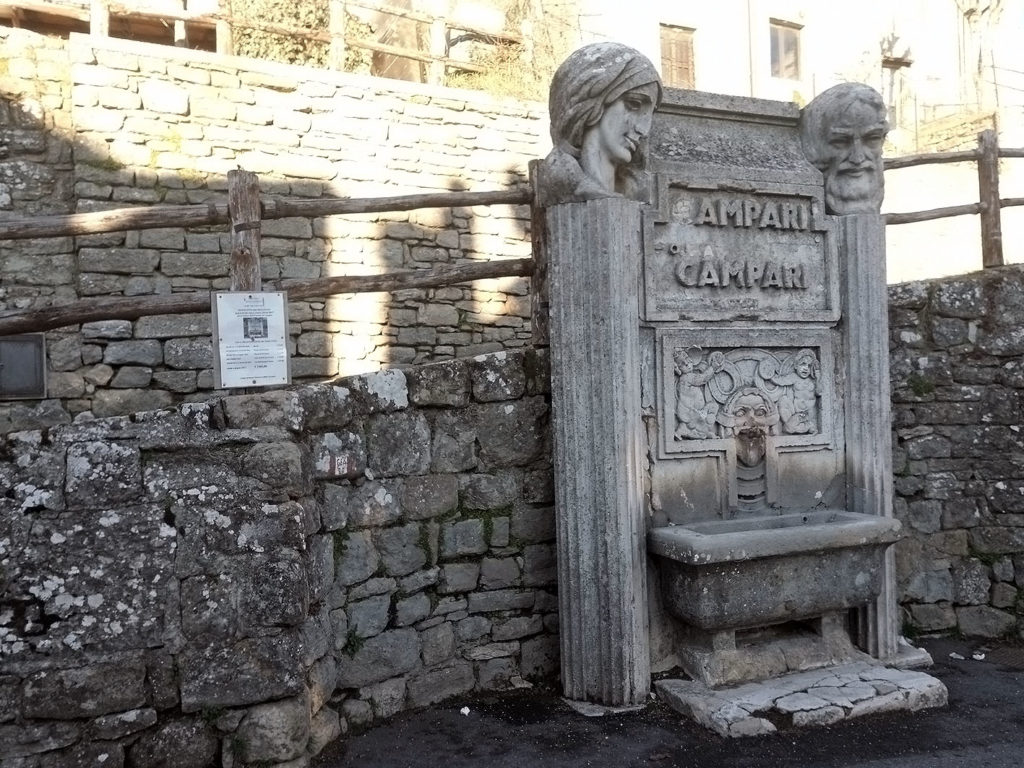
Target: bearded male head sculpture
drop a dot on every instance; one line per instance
(842, 131)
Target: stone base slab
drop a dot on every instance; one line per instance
(720, 659)
(908, 656)
(588, 709)
(820, 697)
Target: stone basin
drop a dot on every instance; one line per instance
(758, 571)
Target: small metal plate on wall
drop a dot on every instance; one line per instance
(23, 367)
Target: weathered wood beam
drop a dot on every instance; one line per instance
(117, 220)
(933, 213)
(225, 38)
(927, 158)
(158, 216)
(244, 206)
(942, 213)
(78, 13)
(988, 192)
(409, 53)
(276, 208)
(336, 27)
(181, 30)
(426, 18)
(99, 19)
(131, 308)
(397, 281)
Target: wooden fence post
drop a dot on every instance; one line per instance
(225, 36)
(438, 51)
(988, 188)
(99, 18)
(337, 30)
(180, 29)
(244, 208)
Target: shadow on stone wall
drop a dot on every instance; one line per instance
(139, 125)
(415, 326)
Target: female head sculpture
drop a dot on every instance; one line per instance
(602, 101)
(842, 131)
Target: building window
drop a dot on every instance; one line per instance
(785, 50)
(677, 56)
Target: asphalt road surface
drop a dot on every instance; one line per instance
(983, 726)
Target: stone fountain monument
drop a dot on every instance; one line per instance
(720, 392)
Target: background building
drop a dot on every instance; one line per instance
(947, 69)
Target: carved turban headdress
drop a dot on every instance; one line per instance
(590, 79)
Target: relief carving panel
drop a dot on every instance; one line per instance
(711, 394)
(714, 395)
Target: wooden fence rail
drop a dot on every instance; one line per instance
(132, 308)
(244, 211)
(987, 156)
(158, 216)
(435, 54)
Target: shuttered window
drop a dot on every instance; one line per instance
(677, 56)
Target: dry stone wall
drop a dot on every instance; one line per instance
(954, 134)
(241, 581)
(36, 178)
(247, 578)
(144, 125)
(35, 158)
(958, 401)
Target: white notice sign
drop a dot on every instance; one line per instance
(250, 339)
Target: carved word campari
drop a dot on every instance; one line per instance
(745, 212)
(708, 270)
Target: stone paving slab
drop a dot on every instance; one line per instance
(819, 697)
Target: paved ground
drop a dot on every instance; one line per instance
(983, 726)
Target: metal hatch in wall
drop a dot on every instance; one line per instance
(23, 367)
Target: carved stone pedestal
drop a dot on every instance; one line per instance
(868, 417)
(594, 250)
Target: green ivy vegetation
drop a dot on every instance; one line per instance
(353, 642)
(920, 385)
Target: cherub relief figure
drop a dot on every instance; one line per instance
(842, 131)
(602, 102)
(798, 404)
(695, 415)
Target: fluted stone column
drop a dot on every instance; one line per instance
(868, 404)
(594, 249)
